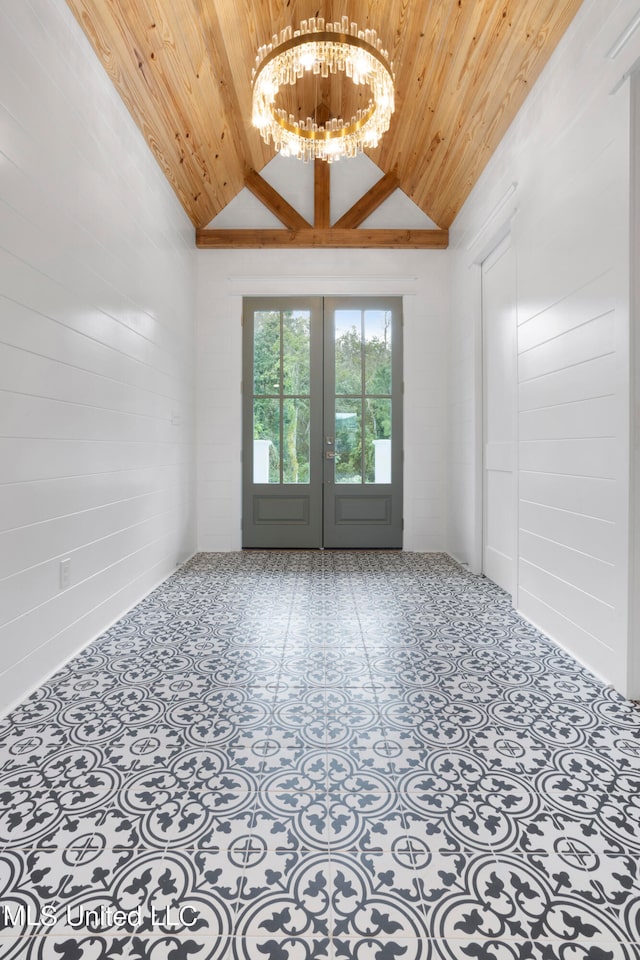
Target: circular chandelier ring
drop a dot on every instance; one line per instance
(344, 131)
(329, 51)
(324, 36)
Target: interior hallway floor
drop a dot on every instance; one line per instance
(308, 755)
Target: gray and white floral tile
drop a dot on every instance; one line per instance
(321, 756)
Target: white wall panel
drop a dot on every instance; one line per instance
(589, 613)
(38, 584)
(594, 378)
(586, 418)
(27, 458)
(575, 458)
(25, 372)
(62, 609)
(594, 338)
(568, 155)
(589, 302)
(116, 591)
(43, 417)
(592, 575)
(66, 333)
(96, 351)
(586, 647)
(589, 535)
(585, 495)
(29, 503)
(61, 535)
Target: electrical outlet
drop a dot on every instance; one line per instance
(65, 573)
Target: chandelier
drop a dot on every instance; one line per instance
(323, 50)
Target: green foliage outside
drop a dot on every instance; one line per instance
(281, 391)
(281, 367)
(349, 411)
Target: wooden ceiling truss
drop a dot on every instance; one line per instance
(298, 232)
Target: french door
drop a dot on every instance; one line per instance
(322, 422)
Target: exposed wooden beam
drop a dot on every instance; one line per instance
(321, 194)
(275, 202)
(369, 202)
(313, 237)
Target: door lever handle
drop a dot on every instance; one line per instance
(330, 455)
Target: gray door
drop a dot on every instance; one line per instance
(322, 422)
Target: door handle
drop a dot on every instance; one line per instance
(330, 455)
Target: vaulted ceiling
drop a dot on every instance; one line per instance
(462, 67)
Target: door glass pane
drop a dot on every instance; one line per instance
(266, 441)
(348, 341)
(377, 450)
(296, 356)
(295, 441)
(266, 352)
(377, 348)
(348, 446)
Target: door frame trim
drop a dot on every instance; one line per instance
(504, 241)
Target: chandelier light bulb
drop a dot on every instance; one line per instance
(307, 59)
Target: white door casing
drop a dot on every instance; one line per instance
(499, 374)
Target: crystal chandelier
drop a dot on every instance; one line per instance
(323, 50)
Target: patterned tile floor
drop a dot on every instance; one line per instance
(321, 756)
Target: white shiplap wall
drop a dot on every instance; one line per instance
(96, 351)
(568, 153)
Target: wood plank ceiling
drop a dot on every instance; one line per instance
(463, 69)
